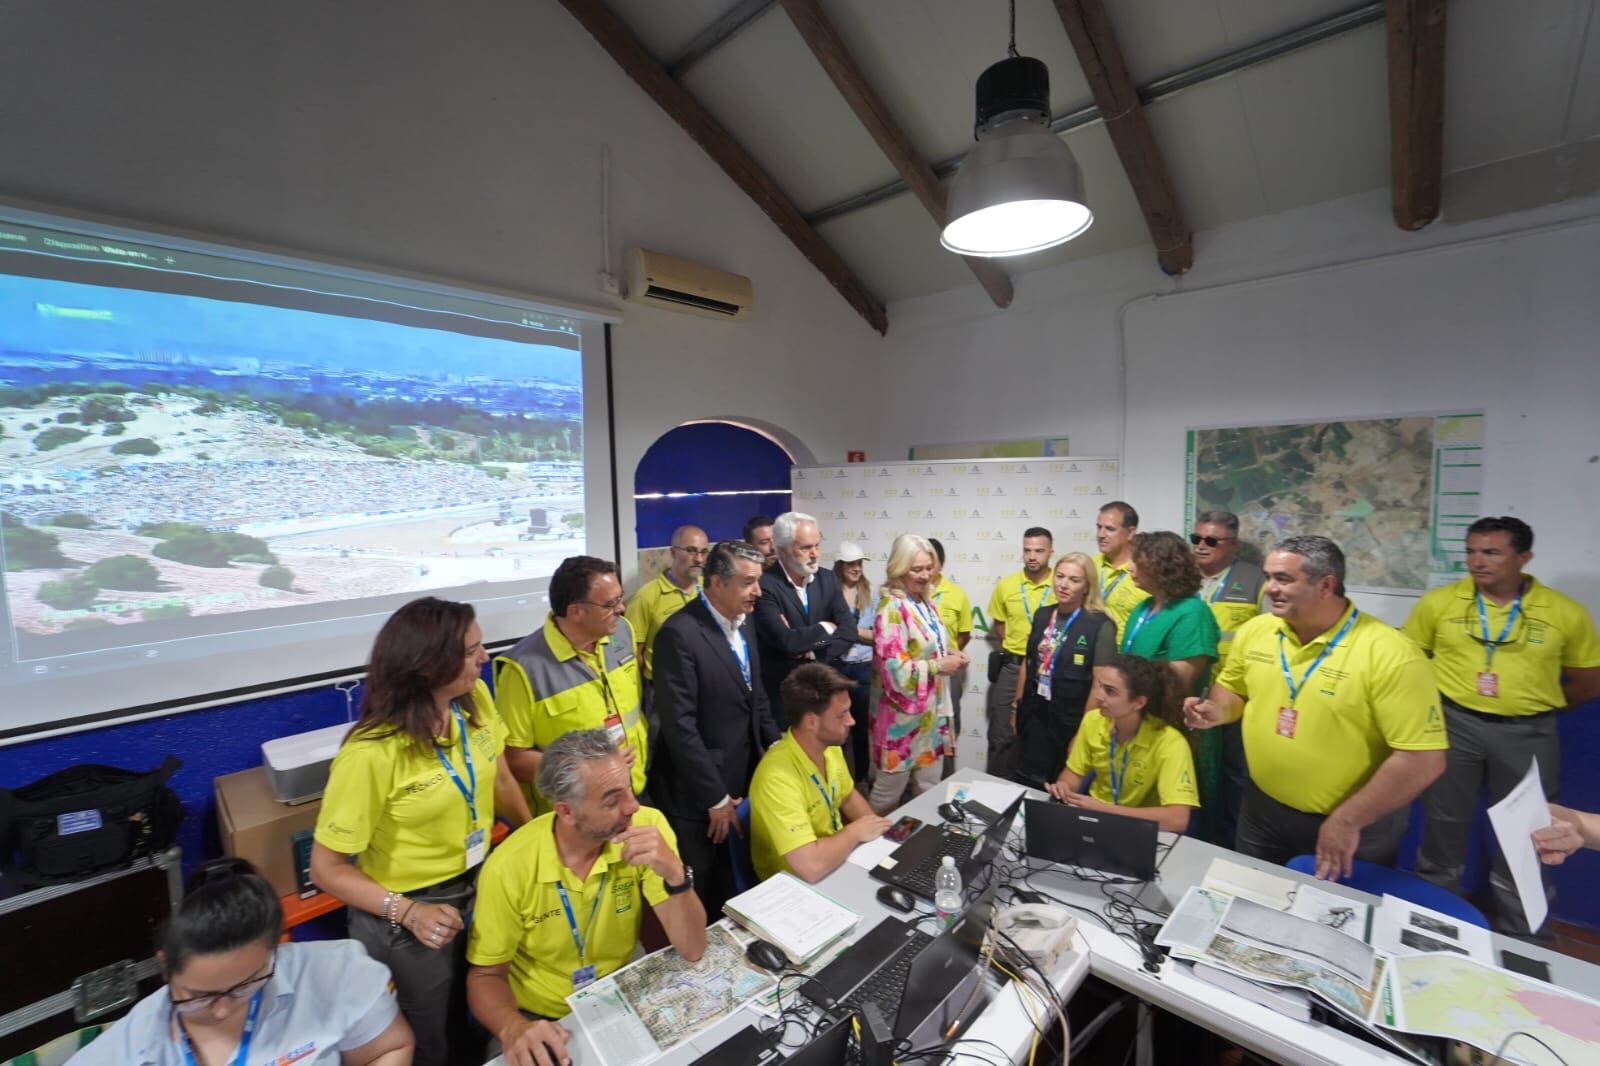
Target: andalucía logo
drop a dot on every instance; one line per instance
(975, 469)
(927, 471)
(905, 492)
(861, 494)
(840, 473)
(1048, 491)
(883, 471)
(1072, 468)
(1022, 512)
(1022, 468)
(799, 475)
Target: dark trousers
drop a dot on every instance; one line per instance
(958, 684)
(713, 863)
(1043, 736)
(430, 985)
(1277, 833)
(1002, 760)
(858, 749)
(1493, 754)
(1231, 783)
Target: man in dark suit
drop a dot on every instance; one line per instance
(802, 615)
(716, 721)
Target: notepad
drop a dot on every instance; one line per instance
(791, 914)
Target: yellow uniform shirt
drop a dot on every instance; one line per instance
(1013, 603)
(546, 688)
(955, 608)
(653, 604)
(1160, 765)
(792, 803)
(399, 813)
(1551, 632)
(1118, 591)
(1230, 609)
(518, 917)
(1372, 694)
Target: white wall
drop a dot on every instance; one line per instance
(460, 140)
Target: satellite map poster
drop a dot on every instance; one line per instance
(1397, 494)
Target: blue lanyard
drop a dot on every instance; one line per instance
(572, 923)
(1022, 594)
(1222, 586)
(1283, 660)
(1106, 591)
(1145, 614)
(244, 1038)
(741, 650)
(1483, 620)
(469, 790)
(1111, 764)
(1053, 638)
(833, 815)
(930, 619)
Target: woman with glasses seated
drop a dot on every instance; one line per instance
(235, 995)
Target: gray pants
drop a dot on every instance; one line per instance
(1493, 754)
(1002, 740)
(430, 985)
(958, 682)
(1277, 833)
(888, 789)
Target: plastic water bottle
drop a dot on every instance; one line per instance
(947, 894)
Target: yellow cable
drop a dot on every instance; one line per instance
(1032, 1018)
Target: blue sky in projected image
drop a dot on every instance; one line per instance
(152, 321)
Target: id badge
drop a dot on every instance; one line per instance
(1043, 687)
(1287, 719)
(477, 847)
(1488, 684)
(583, 975)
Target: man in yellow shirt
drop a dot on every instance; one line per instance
(955, 611)
(805, 814)
(666, 595)
(1012, 606)
(559, 902)
(574, 672)
(1342, 727)
(1501, 642)
(1113, 533)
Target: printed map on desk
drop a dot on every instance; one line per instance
(655, 1004)
(1446, 995)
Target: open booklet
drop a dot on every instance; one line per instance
(793, 915)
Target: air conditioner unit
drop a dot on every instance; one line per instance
(679, 285)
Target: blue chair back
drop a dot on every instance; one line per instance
(1382, 880)
(744, 870)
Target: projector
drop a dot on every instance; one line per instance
(297, 766)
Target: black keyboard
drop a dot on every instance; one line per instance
(887, 987)
(919, 878)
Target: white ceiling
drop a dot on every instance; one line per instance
(1520, 77)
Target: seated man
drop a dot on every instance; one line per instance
(805, 815)
(539, 929)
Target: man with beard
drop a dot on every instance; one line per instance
(715, 718)
(1011, 608)
(758, 531)
(559, 902)
(802, 616)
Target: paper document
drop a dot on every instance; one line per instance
(1348, 916)
(792, 914)
(1193, 923)
(995, 795)
(1269, 890)
(1263, 927)
(873, 852)
(1403, 928)
(1514, 819)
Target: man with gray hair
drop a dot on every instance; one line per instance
(802, 615)
(1341, 721)
(559, 902)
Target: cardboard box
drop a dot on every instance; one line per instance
(254, 825)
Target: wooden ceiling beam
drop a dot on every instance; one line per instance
(1118, 100)
(1416, 110)
(727, 153)
(829, 48)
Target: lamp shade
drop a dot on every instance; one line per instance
(1018, 191)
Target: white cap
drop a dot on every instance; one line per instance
(948, 860)
(849, 552)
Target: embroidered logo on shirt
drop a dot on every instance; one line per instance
(299, 1054)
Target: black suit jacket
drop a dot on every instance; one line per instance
(788, 632)
(714, 729)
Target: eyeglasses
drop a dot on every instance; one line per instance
(242, 990)
(697, 553)
(613, 606)
(1210, 542)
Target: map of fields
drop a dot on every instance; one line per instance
(1442, 995)
(1373, 485)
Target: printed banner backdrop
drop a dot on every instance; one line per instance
(978, 510)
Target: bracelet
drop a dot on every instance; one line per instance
(387, 910)
(410, 903)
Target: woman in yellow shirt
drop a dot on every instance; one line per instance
(411, 798)
(1133, 741)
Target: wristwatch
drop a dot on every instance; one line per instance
(683, 886)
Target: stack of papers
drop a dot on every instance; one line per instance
(791, 914)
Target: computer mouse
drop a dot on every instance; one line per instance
(952, 811)
(767, 956)
(896, 899)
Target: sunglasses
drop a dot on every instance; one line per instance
(1210, 542)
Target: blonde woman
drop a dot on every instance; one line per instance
(913, 657)
(1070, 637)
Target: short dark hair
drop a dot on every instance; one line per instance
(724, 558)
(753, 523)
(1165, 562)
(1521, 532)
(938, 549)
(1319, 556)
(1038, 531)
(570, 583)
(225, 906)
(809, 688)
(1125, 511)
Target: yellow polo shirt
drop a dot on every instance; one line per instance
(1013, 603)
(399, 813)
(1160, 765)
(653, 604)
(1551, 632)
(518, 917)
(1118, 591)
(1372, 694)
(792, 804)
(1229, 616)
(955, 608)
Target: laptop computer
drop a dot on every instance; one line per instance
(1094, 840)
(914, 863)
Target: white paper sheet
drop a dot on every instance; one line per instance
(995, 795)
(1514, 819)
(873, 852)
(1402, 928)
(1348, 916)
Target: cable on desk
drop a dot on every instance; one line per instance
(1499, 1051)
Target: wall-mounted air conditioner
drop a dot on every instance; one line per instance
(679, 285)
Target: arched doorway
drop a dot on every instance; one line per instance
(711, 473)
